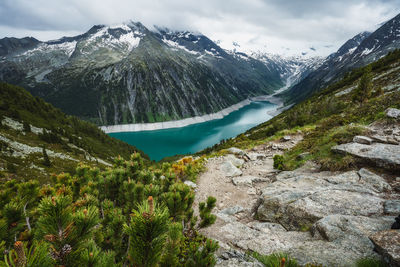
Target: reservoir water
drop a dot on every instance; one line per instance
(193, 138)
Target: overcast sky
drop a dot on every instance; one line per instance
(276, 26)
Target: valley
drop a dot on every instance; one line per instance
(133, 144)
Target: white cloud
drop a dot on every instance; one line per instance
(274, 25)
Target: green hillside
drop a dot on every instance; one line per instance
(28, 124)
(333, 116)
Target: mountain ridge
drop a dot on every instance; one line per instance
(360, 50)
(130, 74)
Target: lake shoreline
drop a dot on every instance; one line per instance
(137, 127)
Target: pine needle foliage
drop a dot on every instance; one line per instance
(130, 214)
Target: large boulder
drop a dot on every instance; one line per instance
(387, 243)
(383, 155)
(336, 227)
(298, 200)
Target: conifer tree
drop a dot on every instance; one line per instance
(179, 200)
(65, 229)
(170, 257)
(46, 160)
(364, 88)
(22, 256)
(205, 212)
(201, 254)
(27, 127)
(147, 233)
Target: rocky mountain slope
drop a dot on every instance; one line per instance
(319, 182)
(31, 130)
(362, 49)
(292, 69)
(130, 74)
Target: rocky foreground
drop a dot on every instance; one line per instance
(329, 218)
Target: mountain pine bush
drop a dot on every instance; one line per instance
(131, 214)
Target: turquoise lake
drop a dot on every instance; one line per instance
(193, 138)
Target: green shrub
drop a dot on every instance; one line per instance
(371, 262)
(276, 260)
(278, 162)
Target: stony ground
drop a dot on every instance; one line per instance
(319, 217)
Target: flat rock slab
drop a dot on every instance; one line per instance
(232, 210)
(247, 180)
(298, 200)
(387, 243)
(383, 155)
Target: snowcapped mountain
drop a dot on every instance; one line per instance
(292, 69)
(362, 49)
(128, 74)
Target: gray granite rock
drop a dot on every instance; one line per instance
(229, 169)
(383, 155)
(232, 210)
(393, 113)
(362, 140)
(235, 161)
(297, 200)
(387, 243)
(247, 180)
(392, 207)
(236, 151)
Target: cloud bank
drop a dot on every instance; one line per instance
(314, 27)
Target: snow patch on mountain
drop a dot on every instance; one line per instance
(67, 47)
(128, 39)
(176, 45)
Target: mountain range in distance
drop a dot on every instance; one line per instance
(129, 74)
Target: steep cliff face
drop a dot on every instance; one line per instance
(130, 74)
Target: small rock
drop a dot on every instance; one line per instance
(392, 140)
(286, 138)
(275, 147)
(362, 140)
(235, 258)
(393, 113)
(244, 180)
(190, 183)
(232, 210)
(388, 131)
(236, 151)
(397, 179)
(252, 191)
(235, 161)
(387, 243)
(229, 169)
(255, 156)
(303, 155)
(392, 207)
